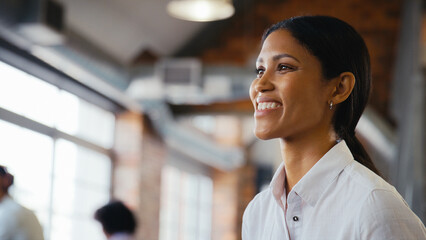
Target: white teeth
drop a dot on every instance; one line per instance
(267, 105)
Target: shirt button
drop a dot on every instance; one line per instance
(295, 218)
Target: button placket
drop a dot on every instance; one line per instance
(294, 213)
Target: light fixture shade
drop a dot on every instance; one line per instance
(201, 10)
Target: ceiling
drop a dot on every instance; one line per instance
(126, 28)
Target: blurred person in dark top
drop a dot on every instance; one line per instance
(118, 221)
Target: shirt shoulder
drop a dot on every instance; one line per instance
(383, 213)
(29, 224)
(366, 179)
(9, 209)
(18, 222)
(258, 204)
(255, 218)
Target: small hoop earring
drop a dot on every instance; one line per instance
(331, 105)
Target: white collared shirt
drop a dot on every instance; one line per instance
(121, 236)
(18, 222)
(337, 199)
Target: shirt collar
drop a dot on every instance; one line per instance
(277, 184)
(318, 178)
(120, 236)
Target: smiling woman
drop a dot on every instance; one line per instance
(312, 85)
(295, 86)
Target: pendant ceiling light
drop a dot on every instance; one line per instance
(201, 10)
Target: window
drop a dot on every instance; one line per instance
(32, 168)
(80, 185)
(27, 95)
(62, 173)
(87, 121)
(186, 205)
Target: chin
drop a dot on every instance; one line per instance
(263, 135)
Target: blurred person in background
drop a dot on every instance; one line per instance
(16, 221)
(313, 83)
(118, 221)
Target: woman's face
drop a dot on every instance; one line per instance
(289, 94)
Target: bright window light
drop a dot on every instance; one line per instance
(186, 205)
(32, 168)
(78, 117)
(27, 95)
(61, 181)
(40, 101)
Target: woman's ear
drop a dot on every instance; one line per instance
(343, 86)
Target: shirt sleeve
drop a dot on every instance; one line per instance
(244, 228)
(385, 215)
(30, 228)
(5, 228)
(8, 224)
(248, 232)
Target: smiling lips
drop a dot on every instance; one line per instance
(267, 105)
(264, 108)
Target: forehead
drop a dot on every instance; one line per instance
(282, 42)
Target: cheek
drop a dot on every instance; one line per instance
(313, 103)
(291, 93)
(252, 92)
(302, 100)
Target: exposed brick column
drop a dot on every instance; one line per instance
(231, 195)
(154, 154)
(232, 190)
(246, 192)
(137, 171)
(225, 205)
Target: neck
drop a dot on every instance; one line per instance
(2, 195)
(301, 154)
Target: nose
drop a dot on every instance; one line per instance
(263, 84)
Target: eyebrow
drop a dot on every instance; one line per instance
(279, 56)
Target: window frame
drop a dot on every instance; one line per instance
(30, 64)
(17, 58)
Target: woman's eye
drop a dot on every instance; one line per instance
(282, 67)
(259, 72)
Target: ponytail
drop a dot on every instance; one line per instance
(358, 151)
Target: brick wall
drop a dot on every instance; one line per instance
(423, 40)
(225, 205)
(139, 157)
(376, 20)
(232, 190)
(231, 194)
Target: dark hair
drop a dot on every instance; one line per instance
(3, 171)
(115, 217)
(7, 176)
(340, 49)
